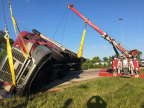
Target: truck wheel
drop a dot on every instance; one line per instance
(63, 72)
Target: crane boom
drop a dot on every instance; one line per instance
(86, 20)
(104, 35)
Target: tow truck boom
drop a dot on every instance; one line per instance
(104, 35)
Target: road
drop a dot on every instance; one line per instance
(73, 76)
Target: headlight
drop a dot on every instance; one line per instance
(29, 46)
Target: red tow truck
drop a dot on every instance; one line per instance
(49, 60)
(125, 63)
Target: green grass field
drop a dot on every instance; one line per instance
(104, 92)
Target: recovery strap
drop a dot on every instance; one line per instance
(82, 44)
(9, 52)
(10, 57)
(15, 25)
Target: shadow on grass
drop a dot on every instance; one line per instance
(142, 105)
(82, 86)
(100, 103)
(67, 103)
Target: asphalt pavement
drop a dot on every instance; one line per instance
(75, 76)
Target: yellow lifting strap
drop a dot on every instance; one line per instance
(82, 44)
(9, 52)
(15, 25)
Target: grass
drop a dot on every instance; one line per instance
(110, 92)
(142, 72)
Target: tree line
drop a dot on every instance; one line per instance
(96, 62)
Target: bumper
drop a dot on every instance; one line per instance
(25, 70)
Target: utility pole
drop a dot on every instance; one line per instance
(121, 31)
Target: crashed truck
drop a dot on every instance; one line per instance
(49, 60)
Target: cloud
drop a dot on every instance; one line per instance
(27, 1)
(23, 21)
(42, 29)
(48, 30)
(103, 47)
(74, 49)
(65, 38)
(92, 53)
(94, 46)
(64, 3)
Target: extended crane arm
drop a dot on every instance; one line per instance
(104, 35)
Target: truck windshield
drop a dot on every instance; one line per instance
(30, 37)
(34, 37)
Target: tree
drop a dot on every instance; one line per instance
(3, 46)
(100, 65)
(90, 65)
(3, 41)
(88, 60)
(96, 59)
(105, 59)
(2, 55)
(139, 55)
(105, 65)
(84, 66)
(95, 66)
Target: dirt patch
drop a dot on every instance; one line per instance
(65, 86)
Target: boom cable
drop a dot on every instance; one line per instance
(60, 23)
(64, 26)
(4, 16)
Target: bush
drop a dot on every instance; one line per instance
(100, 65)
(105, 65)
(84, 66)
(95, 66)
(90, 65)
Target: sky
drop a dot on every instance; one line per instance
(46, 15)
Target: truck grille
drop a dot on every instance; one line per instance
(5, 73)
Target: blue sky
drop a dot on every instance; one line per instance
(45, 16)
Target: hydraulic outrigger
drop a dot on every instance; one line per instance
(124, 64)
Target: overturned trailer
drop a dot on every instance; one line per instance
(49, 60)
